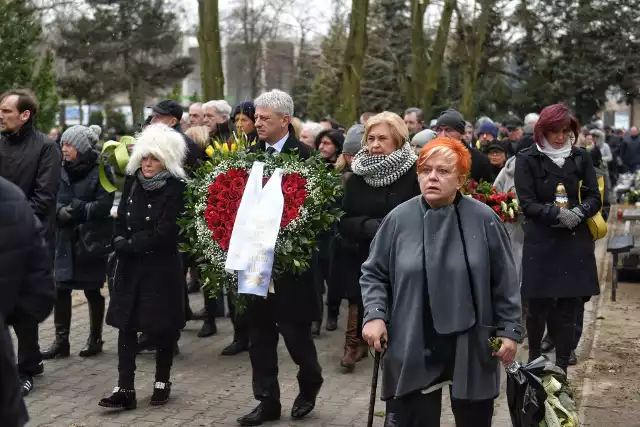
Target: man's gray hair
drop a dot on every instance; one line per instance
(531, 118)
(221, 107)
(275, 100)
(313, 128)
(417, 111)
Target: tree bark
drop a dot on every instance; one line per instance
(416, 87)
(472, 63)
(136, 99)
(211, 72)
(353, 63)
(437, 58)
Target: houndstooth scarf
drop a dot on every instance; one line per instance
(380, 171)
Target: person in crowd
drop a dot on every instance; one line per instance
(335, 286)
(487, 134)
(552, 285)
(617, 151)
(216, 117)
(291, 309)
(365, 116)
(199, 135)
(148, 293)
(631, 157)
(184, 122)
(414, 119)
(169, 113)
(384, 177)
(329, 144)
(244, 118)
(297, 126)
(331, 123)
(467, 138)
(83, 239)
(309, 132)
(605, 151)
(421, 139)
(196, 115)
(527, 140)
(451, 124)
(30, 160)
(515, 132)
(54, 133)
(497, 157)
(430, 341)
(12, 408)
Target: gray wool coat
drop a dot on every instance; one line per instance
(415, 244)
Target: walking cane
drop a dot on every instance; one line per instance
(374, 383)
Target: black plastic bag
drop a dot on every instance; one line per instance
(525, 393)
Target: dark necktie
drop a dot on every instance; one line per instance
(270, 151)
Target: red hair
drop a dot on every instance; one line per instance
(447, 146)
(553, 118)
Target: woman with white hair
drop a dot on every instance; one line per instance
(148, 290)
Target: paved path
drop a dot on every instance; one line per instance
(209, 390)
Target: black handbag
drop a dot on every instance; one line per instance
(479, 334)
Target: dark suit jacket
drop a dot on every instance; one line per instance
(295, 299)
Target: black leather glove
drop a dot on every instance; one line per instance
(122, 245)
(65, 215)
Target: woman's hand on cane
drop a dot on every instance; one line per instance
(375, 334)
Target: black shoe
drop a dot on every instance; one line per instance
(573, 359)
(26, 383)
(547, 345)
(161, 392)
(332, 323)
(208, 329)
(199, 315)
(302, 406)
(390, 419)
(120, 399)
(235, 347)
(262, 413)
(93, 347)
(59, 349)
(315, 329)
(145, 343)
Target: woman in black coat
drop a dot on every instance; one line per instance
(384, 176)
(83, 239)
(148, 289)
(558, 261)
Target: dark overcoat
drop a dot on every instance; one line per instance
(365, 207)
(295, 298)
(556, 262)
(148, 289)
(82, 245)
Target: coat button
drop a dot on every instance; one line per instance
(130, 201)
(573, 234)
(129, 228)
(128, 213)
(147, 219)
(149, 206)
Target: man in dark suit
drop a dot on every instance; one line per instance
(292, 307)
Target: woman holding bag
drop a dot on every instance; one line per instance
(558, 260)
(442, 306)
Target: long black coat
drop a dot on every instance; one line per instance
(12, 409)
(82, 245)
(26, 280)
(556, 262)
(148, 290)
(365, 207)
(295, 298)
(31, 160)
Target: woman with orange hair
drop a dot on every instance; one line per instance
(440, 280)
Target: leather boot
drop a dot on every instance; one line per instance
(96, 317)
(62, 321)
(209, 326)
(351, 340)
(363, 350)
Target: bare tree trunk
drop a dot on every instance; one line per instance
(136, 99)
(414, 90)
(437, 58)
(353, 63)
(211, 72)
(472, 64)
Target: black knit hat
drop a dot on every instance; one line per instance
(247, 108)
(451, 118)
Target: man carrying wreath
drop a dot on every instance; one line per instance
(291, 304)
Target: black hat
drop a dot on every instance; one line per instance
(169, 107)
(247, 108)
(513, 124)
(452, 119)
(496, 147)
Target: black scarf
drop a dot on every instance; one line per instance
(22, 133)
(80, 168)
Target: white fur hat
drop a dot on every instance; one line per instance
(163, 143)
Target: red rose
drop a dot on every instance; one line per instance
(219, 233)
(213, 219)
(222, 205)
(238, 184)
(234, 195)
(496, 209)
